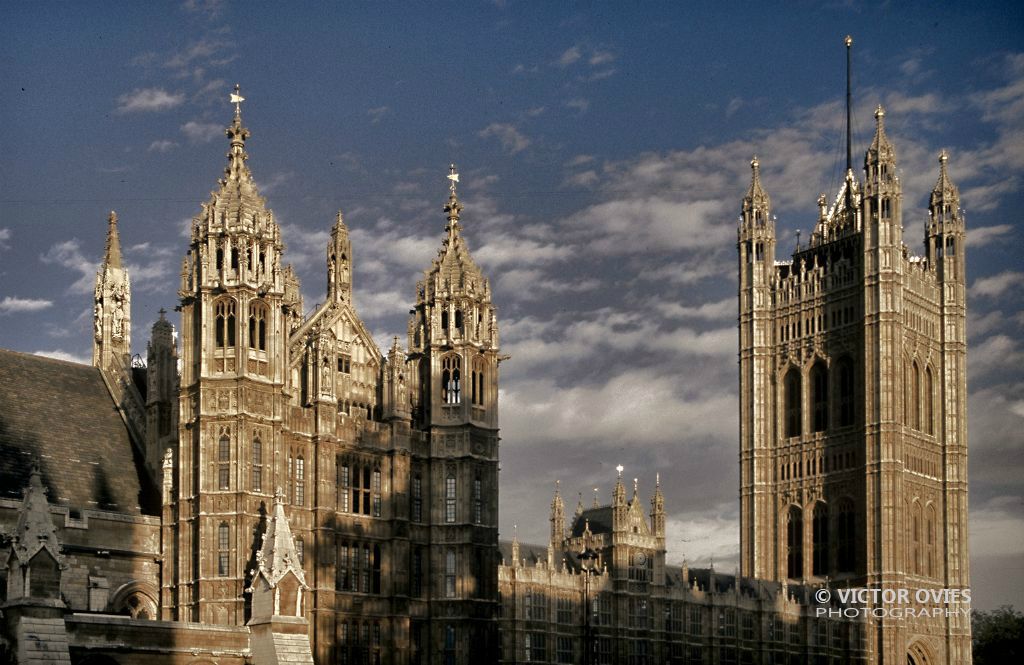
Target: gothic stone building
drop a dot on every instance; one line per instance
(853, 401)
(626, 605)
(275, 476)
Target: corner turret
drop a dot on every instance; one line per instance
(112, 307)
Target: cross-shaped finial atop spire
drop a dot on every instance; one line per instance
(619, 468)
(237, 99)
(453, 176)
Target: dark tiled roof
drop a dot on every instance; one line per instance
(61, 414)
(600, 521)
(531, 553)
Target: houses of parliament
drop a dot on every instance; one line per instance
(272, 488)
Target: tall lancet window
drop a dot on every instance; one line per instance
(451, 378)
(258, 326)
(820, 538)
(795, 543)
(794, 415)
(846, 388)
(257, 464)
(224, 463)
(224, 334)
(929, 401)
(819, 384)
(915, 396)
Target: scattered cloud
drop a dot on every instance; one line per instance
(209, 9)
(996, 285)
(734, 105)
(599, 57)
(162, 145)
(512, 140)
(377, 114)
(201, 132)
(579, 104)
(148, 99)
(68, 255)
(985, 235)
(569, 56)
(5, 237)
(58, 354)
(13, 304)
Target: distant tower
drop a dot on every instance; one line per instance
(161, 394)
(853, 450)
(234, 329)
(453, 348)
(112, 308)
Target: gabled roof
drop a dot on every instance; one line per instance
(277, 556)
(61, 415)
(600, 520)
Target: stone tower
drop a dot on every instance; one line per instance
(453, 350)
(233, 306)
(853, 402)
(112, 308)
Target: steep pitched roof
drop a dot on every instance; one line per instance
(62, 415)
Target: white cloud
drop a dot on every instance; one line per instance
(512, 140)
(201, 132)
(599, 57)
(377, 114)
(5, 237)
(986, 235)
(579, 104)
(704, 537)
(13, 304)
(68, 254)
(735, 104)
(59, 354)
(148, 99)
(569, 56)
(162, 145)
(996, 285)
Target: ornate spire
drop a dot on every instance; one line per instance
(619, 493)
(238, 134)
(579, 506)
(881, 150)
(945, 190)
(453, 207)
(112, 256)
(756, 204)
(35, 530)
(277, 556)
(557, 517)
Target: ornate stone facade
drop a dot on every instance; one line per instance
(633, 608)
(853, 401)
(318, 499)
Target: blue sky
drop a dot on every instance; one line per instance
(604, 151)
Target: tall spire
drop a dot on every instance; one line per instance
(756, 204)
(112, 257)
(849, 102)
(881, 150)
(277, 556)
(238, 135)
(945, 191)
(452, 206)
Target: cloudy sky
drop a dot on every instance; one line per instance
(604, 151)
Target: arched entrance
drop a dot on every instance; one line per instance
(917, 655)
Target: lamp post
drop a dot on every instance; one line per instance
(588, 566)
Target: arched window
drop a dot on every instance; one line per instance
(929, 401)
(375, 490)
(234, 259)
(793, 411)
(915, 396)
(930, 536)
(300, 550)
(846, 392)
(915, 538)
(223, 550)
(257, 464)
(224, 333)
(449, 645)
(795, 543)
(478, 382)
(450, 493)
(820, 538)
(819, 384)
(224, 463)
(451, 392)
(458, 320)
(417, 498)
(444, 320)
(220, 258)
(258, 326)
(846, 535)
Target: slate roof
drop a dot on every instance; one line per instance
(600, 521)
(62, 415)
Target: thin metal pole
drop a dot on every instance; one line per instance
(849, 97)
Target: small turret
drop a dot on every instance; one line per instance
(620, 509)
(658, 509)
(557, 519)
(339, 263)
(945, 235)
